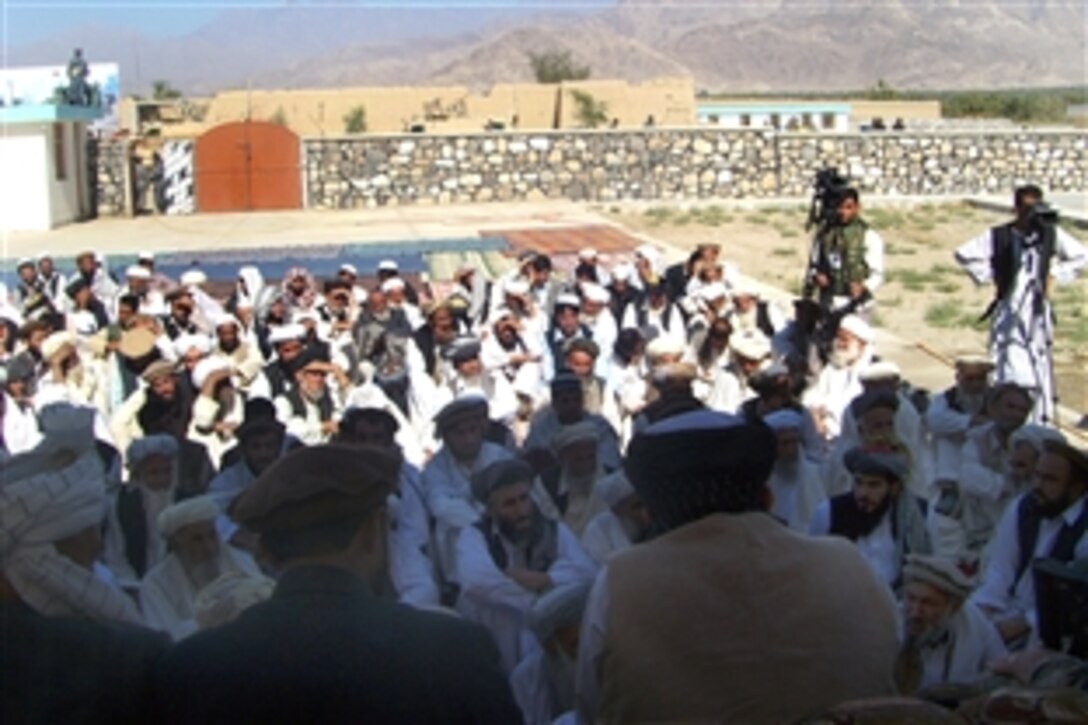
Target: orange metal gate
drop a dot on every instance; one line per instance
(247, 166)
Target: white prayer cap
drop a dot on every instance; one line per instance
(350, 269)
(284, 333)
(158, 444)
(713, 291)
(883, 370)
(388, 265)
(185, 513)
(663, 345)
(938, 572)
(226, 318)
(587, 253)
(745, 288)
(135, 271)
(623, 271)
(43, 255)
(593, 292)
(1034, 436)
(193, 278)
(83, 322)
(568, 300)
(300, 316)
(190, 340)
(228, 596)
(516, 287)
(560, 607)
(24, 262)
(614, 488)
(784, 419)
(53, 344)
(648, 252)
(750, 345)
(206, 368)
(857, 327)
(146, 256)
(974, 360)
(392, 284)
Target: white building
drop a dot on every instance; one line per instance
(44, 176)
(775, 115)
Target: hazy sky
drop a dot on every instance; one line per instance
(30, 20)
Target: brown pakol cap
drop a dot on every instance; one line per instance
(317, 485)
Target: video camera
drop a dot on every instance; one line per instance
(1040, 213)
(828, 186)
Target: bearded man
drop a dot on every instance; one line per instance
(197, 558)
(623, 524)
(839, 381)
(795, 481)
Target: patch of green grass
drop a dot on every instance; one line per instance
(783, 252)
(682, 220)
(886, 219)
(713, 216)
(788, 233)
(947, 288)
(940, 270)
(944, 314)
(899, 250)
(911, 279)
(759, 219)
(891, 302)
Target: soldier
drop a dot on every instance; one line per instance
(847, 264)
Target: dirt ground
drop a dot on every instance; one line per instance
(926, 298)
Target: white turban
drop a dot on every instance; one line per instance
(651, 254)
(187, 512)
(516, 287)
(228, 596)
(159, 444)
(188, 341)
(663, 345)
(784, 419)
(595, 293)
(52, 344)
(713, 291)
(208, 367)
(751, 345)
(614, 488)
(561, 607)
(882, 370)
(1034, 435)
(48, 494)
(193, 278)
(857, 327)
(392, 284)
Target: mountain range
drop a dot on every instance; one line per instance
(743, 46)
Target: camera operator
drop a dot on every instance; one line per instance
(1021, 258)
(847, 262)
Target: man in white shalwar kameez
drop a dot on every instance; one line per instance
(512, 556)
(839, 381)
(197, 558)
(946, 640)
(1020, 258)
(624, 524)
(795, 481)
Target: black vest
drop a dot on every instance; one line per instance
(540, 556)
(1027, 534)
(1005, 262)
(846, 518)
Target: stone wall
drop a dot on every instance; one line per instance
(111, 174)
(673, 164)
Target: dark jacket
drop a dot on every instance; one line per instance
(323, 649)
(68, 670)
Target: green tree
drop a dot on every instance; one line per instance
(590, 112)
(355, 120)
(556, 66)
(882, 92)
(163, 91)
(279, 117)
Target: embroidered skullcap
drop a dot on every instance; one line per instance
(569, 435)
(877, 463)
(186, 513)
(1034, 436)
(698, 463)
(315, 486)
(857, 327)
(471, 407)
(157, 369)
(158, 444)
(286, 333)
(784, 419)
(188, 341)
(593, 292)
(870, 399)
(230, 595)
(941, 573)
(883, 370)
(558, 608)
(974, 360)
(463, 349)
(53, 344)
(501, 473)
(208, 367)
(135, 271)
(614, 488)
(750, 345)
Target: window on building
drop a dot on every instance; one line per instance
(713, 119)
(776, 121)
(745, 120)
(828, 120)
(806, 120)
(60, 158)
